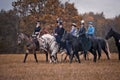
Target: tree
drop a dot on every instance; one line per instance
(47, 11)
(8, 32)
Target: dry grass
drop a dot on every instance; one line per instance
(12, 68)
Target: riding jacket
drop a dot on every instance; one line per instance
(82, 31)
(37, 30)
(59, 31)
(74, 31)
(91, 31)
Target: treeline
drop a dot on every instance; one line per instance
(25, 13)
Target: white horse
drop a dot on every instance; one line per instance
(49, 43)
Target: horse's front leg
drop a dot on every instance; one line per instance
(26, 54)
(46, 53)
(85, 54)
(65, 57)
(35, 56)
(62, 56)
(71, 57)
(51, 59)
(77, 56)
(95, 55)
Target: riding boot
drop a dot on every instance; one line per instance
(36, 43)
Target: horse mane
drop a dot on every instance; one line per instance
(26, 35)
(118, 34)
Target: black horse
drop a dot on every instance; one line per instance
(77, 45)
(116, 37)
(103, 45)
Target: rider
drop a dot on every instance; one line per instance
(82, 29)
(74, 30)
(82, 34)
(91, 30)
(36, 33)
(37, 28)
(85, 42)
(59, 31)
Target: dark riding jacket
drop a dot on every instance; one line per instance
(82, 32)
(37, 29)
(59, 33)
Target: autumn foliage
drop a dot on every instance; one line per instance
(25, 13)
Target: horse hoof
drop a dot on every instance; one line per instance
(50, 62)
(95, 61)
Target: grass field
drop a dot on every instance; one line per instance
(12, 68)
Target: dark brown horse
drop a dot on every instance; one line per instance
(116, 37)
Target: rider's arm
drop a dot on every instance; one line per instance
(91, 30)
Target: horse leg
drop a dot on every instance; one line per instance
(35, 56)
(65, 57)
(26, 54)
(85, 54)
(99, 53)
(46, 56)
(94, 54)
(107, 54)
(62, 56)
(51, 59)
(77, 55)
(56, 58)
(107, 51)
(99, 47)
(71, 57)
(119, 55)
(118, 52)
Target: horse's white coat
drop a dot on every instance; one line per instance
(49, 42)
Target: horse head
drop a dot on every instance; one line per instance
(109, 34)
(19, 38)
(22, 37)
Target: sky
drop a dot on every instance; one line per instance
(110, 8)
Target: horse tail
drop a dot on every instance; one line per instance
(107, 48)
